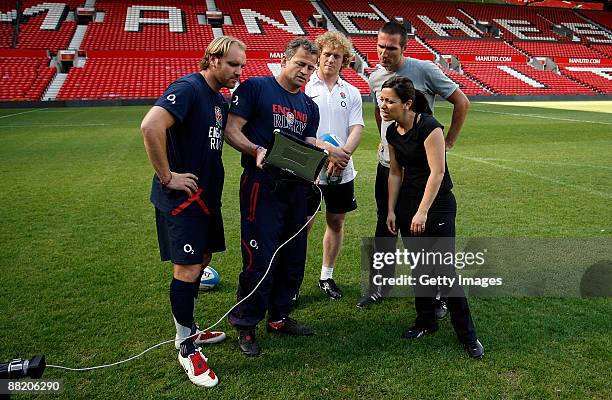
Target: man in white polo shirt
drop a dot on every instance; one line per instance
(340, 109)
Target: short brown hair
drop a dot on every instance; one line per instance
(337, 40)
(219, 48)
(395, 28)
(295, 44)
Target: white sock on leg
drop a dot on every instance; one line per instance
(327, 272)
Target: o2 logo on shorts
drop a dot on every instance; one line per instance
(188, 249)
(253, 244)
(171, 98)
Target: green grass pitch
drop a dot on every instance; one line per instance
(81, 279)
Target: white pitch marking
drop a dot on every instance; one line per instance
(544, 178)
(23, 112)
(50, 125)
(545, 162)
(536, 116)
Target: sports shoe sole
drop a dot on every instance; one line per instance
(201, 380)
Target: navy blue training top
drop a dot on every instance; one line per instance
(266, 106)
(193, 144)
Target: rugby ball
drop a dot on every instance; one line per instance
(334, 140)
(210, 279)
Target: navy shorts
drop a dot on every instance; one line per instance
(339, 199)
(184, 239)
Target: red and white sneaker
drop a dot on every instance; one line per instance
(203, 337)
(208, 337)
(197, 369)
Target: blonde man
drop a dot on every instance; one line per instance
(183, 137)
(341, 117)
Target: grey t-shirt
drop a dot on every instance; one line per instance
(426, 77)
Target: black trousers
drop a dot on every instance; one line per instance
(440, 235)
(271, 211)
(389, 240)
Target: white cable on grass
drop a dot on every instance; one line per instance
(220, 319)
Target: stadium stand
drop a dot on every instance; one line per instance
(361, 23)
(588, 5)
(6, 35)
(124, 78)
(265, 26)
(482, 47)
(302, 9)
(43, 25)
(511, 29)
(556, 83)
(605, 50)
(467, 86)
(603, 18)
(560, 15)
(24, 78)
(111, 34)
(32, 36)
(132, 49)
(271, 39)
(429, 18)
(357, 18)
(356, 80)
(594, 78)
(520, 79)
(541, 49)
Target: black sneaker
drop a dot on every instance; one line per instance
(369, 299)
(328, 286)
(247, 343)
(289, 326)
(440, 309)
(474, 349)
(415, 332)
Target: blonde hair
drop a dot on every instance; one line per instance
(219, 48)
(336, 40)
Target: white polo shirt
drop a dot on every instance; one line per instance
(339, 109)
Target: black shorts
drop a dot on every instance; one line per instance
(184, 239)
(339, 199)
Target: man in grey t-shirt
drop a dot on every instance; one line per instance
(427, 78)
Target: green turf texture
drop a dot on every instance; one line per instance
(82, 282)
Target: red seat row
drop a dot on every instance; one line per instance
(24, 78)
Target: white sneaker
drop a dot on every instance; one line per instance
(202, 337)
(197, 369)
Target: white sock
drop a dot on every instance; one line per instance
(327, 272)
(181, 332)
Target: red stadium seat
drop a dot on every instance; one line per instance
(24, 78)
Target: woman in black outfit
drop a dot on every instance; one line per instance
(419, 179)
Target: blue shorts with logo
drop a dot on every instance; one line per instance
(184, 239)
